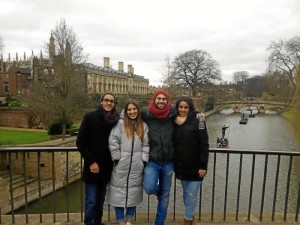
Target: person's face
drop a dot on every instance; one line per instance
(183, 109)
(132, 111)
(108, 102)
(160, 101)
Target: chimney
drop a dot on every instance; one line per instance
(106, 62)
(121, 66)
(129, 69)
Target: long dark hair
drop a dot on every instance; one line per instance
(129, 126)
(189, 101)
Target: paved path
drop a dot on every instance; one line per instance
(75, 219)
(23, 129)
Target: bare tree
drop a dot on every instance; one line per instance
(284, 56)
(168, 81)
(296, 104)
(254, 86)
(64, 33)
(168, 72)
(239, 78)
(195, 68)
(62, 92)
(278, 86)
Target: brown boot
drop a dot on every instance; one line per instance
(186, 222)
(194, 221)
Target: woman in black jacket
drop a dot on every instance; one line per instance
(191, 154)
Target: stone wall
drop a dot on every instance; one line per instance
(12, 118)
(17, 117)
(42, 163)
(4, 193)
(66, 169)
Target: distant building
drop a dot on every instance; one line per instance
(101, 79)
(17, 75)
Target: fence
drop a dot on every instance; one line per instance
(7, 144)
(240, 185)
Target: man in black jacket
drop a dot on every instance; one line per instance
(159, 116)
(92, 143)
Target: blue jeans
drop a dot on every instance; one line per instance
(157, 181)
(190, 197)
(94, 200)
(120, 213)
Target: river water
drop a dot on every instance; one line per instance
(267, 132)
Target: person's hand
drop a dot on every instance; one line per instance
(202, 173)
(94, 168)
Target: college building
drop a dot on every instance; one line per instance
(18, 74)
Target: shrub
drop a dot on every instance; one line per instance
(14, 104)
(72, 131)
(55, 127)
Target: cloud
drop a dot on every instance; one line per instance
(142, 33)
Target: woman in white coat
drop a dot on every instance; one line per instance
(129, 147)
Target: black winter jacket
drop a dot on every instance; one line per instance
(92, 143)
(191, 149)
(160, 136)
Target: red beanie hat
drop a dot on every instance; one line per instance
(158, 92)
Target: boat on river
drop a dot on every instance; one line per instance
(244, 119)
(222, 142)
(252, 115)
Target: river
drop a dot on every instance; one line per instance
(267, 132)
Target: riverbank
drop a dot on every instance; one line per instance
(289, 115)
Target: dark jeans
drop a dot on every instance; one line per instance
(94, 200)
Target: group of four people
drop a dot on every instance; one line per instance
(139, 150)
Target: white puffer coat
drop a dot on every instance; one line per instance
(126, 184)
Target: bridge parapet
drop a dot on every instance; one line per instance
(261, 105)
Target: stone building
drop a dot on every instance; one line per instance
(17, 75)
(101, 79)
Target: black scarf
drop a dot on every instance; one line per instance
(110, 118)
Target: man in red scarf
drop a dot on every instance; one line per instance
(159, 116)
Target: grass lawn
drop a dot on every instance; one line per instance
(290, 115)
(23, 137)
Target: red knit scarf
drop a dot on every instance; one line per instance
(159, 113)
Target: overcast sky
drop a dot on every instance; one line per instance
(143, 33)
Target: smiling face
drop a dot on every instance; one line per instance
(108, 102)
(132, 111)
(183, 109)
(160, 101)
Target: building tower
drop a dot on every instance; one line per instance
(51, 49)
